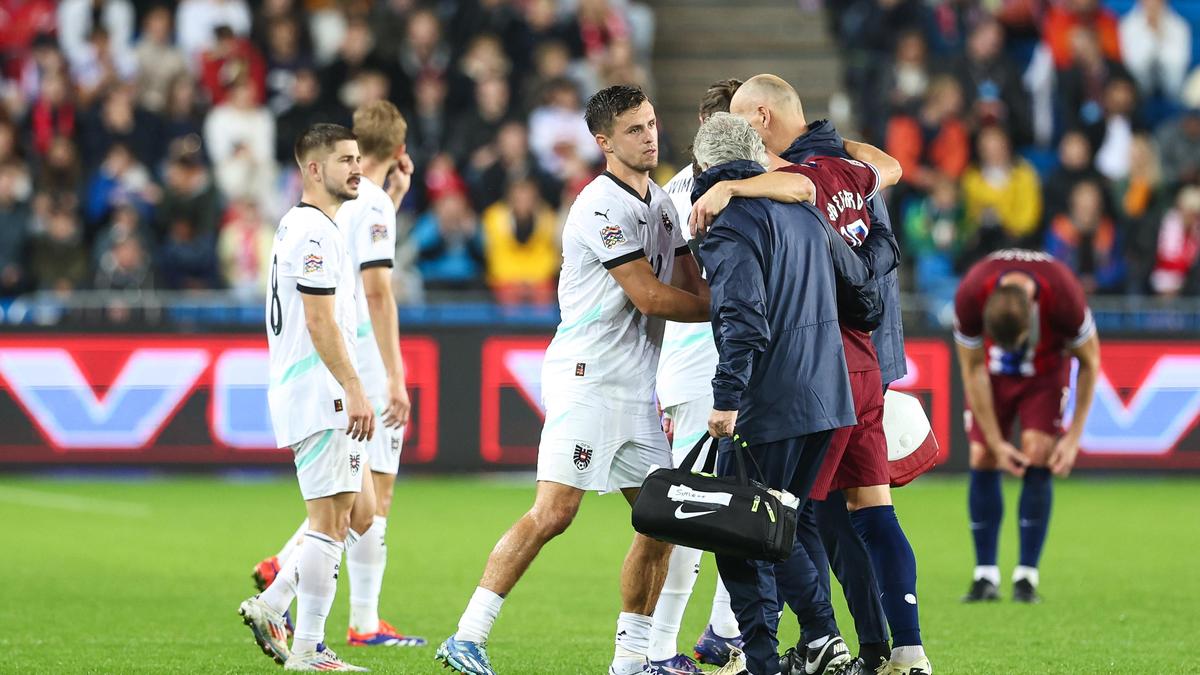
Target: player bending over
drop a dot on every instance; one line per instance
(370, 224)
(1017, 316)
(319, 407)
(625, 269)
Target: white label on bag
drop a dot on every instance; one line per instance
(683, 493)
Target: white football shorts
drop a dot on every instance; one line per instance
(691, 424)
(590, 447)
(383, 450)
(328, 463)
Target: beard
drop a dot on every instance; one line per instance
(342, 191)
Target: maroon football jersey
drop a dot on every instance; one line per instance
(843, 187)
(1061, 318)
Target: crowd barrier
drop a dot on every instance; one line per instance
(168, 399)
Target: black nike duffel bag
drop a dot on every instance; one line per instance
(729, 516)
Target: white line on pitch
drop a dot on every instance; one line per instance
(57, 500)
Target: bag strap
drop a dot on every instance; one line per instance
(739, 444)
(690, 460)
(710, 462)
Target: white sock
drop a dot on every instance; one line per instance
(633, 640)
(476, 622)
(819, 642)
(366, 562)
(282, 591)
(668, 613)
(723, 620)
(292, 542)
(319, 560)
(989, 572)
(1023, 572)
(903, 656)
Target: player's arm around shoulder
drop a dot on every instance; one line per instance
(780, 186)
(888, 167)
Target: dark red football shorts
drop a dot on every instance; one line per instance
(857, 455)
(1037, 401)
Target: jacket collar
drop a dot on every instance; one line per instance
(737, 169)
(817, 138)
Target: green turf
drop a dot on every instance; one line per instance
(123, 577)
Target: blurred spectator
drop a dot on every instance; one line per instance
(557, 131)
(57, 258)
(484, 59)
(552, 64)
(15, 219)
(187, 259)
(899, 86)
(449, 243)
(1114, 134)
(22, 22)
(52, 114)
(1001, 195)
(427, 125)
(932, 226)
(182, 117)
(307, 107)
(424, 54)
(1063, 21)
(991, 83)
(9, 152)
(43, 59)
(240, 135)
(499, 18)
(546, 25)
(621, 67)
(125, 222)
(78, 21)
(124, 266)
(1086, 239)
(61, 170)
(1139, 200)
(284, 59)
(244, 248)
(116, 120)
(1179, 145)
(1178, 246)
(474, 131)
(1156, 43)
(119, 180)
(188, 193)
(230, 61)
(522, 247)
(1081, 86)
(599, 25)
(1074, 166)
(101, 67)
(934, 140)
(511, 161)
(196, 22)
(158, 61)
(358, 54)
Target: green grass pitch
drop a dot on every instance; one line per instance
(145, 577)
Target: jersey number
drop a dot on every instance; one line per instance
(657, 264)
(276, 306)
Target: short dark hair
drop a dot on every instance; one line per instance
(604, 106)
(716, 99)
(1006, 316)
(321, 137)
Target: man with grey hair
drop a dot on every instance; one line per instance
(775, 271)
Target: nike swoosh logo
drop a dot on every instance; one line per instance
(684, 515)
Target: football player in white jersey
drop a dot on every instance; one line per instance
(319, 406)
(625, 269)
(369, 223)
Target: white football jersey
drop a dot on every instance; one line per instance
(605, 349)
(310, 255)
(689, 354)
(370, 225)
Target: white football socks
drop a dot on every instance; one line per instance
(293, 541)
(1023, 572)
(722, 619)
(318, 562)
(282, 591)
(989, 572)
(633, 640)
(682, 571)
(366, 562)
(476, 622)
(904, 656)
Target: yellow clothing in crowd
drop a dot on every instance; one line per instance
(509, 261)
(1017, 202)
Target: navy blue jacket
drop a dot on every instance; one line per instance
(822, 139)
(772, 271)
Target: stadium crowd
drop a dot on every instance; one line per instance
(148, 144)
(1061, 126)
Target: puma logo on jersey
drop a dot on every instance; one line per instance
(603, 215)
(314, 241)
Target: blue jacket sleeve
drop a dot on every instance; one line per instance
(733, 266)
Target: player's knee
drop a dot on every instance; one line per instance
(866, 497)
(1037, 446)
(361, 521)
(981, 459)
(552, 520)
